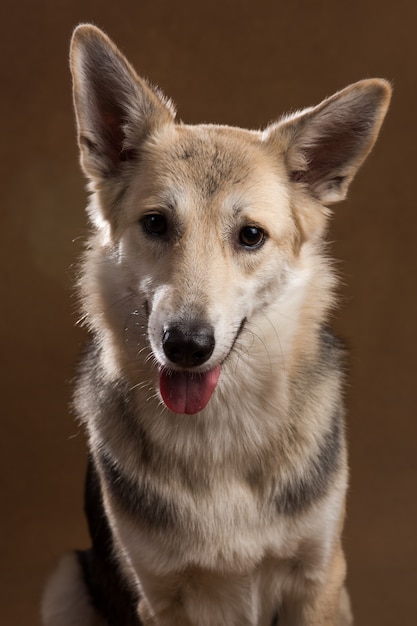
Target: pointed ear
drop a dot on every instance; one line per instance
(324, 146)
(115, 109)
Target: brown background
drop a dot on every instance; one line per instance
(242, 63)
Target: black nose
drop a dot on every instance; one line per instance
(188, 345)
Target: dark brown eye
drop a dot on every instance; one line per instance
(251, 237)
(155, 224)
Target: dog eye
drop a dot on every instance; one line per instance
(251, 237)
(155, 224)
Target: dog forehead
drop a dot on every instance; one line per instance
(211, 159)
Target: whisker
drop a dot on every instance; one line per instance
(272, 325)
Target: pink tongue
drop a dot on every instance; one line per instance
(184, 392)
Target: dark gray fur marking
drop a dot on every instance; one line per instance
(138, 497)
(299, 494)
(304, 489)
(110, 592)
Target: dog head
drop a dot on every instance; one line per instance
(206, 236)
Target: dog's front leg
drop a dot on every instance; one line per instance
(199, 598)
(318, 601)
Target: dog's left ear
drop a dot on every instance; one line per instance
(324, 146)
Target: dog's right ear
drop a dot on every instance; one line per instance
(115, 109)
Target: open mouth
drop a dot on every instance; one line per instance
(186, 391)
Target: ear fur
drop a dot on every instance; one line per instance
(115, 109)
(324, 146)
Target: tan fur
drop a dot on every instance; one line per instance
(251, 489)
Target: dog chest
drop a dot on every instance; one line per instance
(228, 528)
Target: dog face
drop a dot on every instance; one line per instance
(204, 232)
(211, 219)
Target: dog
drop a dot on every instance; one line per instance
(212, 389)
